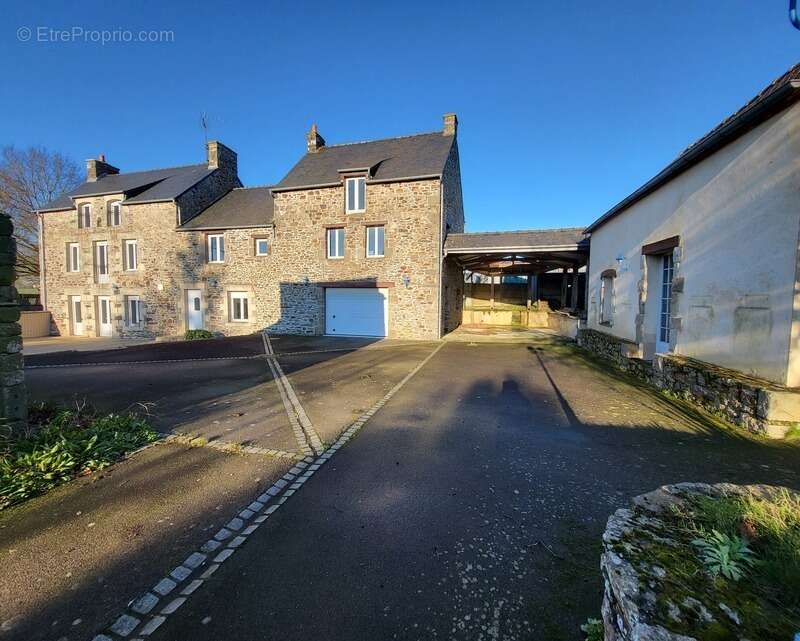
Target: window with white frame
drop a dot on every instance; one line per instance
(114, 213)
(262, 246)
(101, 261)
(133, 311)
(216, 248)
(375, 241)
(85, 216)
(607, 298)
(73, 257)
(336, 242)
(356, 195)
(240, 311)
(131, 255)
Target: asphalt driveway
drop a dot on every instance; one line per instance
(470, 507)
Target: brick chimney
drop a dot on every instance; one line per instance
(98, 168)
(314, 141)
(450, 125)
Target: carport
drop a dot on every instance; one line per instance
(520, 278)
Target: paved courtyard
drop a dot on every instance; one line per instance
(470, 504)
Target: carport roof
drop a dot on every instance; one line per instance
(530, 239)
(532, 251)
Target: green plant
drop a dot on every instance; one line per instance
(723, 554)
(197, 334)
(65, 443)
(593, 629)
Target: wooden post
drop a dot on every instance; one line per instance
(491, 292)
(575, 276)
(563, 287)
(535, 287)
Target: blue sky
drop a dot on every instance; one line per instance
(564, 107)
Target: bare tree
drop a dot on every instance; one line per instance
(29, 179)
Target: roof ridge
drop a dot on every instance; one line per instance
(521, 231)
(145, 171)
(363, 142)
(264, 186)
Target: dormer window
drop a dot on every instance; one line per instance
(85, 216)
(114, 213)
(355, 195)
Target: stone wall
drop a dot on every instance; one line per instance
(286, 287)
(410, 213)
(642, 599)
(13, 395)
(452, 222)
(755, 404)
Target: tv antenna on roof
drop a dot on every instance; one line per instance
(204, 125)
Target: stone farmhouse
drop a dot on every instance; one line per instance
(349, 242)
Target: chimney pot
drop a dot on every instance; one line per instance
(314, 142)
(450, 125)
(102, 157)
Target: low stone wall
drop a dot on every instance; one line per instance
(564, 324)
(13, 395)
(634, 594)
(755, 404)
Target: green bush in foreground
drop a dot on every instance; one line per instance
(197, 334)
(67, 443)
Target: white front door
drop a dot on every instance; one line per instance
(194, 309)
(665, 305)
(356, 311)
(76, 315)
(104, 315)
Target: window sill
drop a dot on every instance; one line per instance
(215, 262)
(355, 211)
(335, 257)
(239, 322)
(376, 256)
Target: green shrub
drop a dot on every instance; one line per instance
(772, 530)
(728, 555)
(197, 334)
(67, 443)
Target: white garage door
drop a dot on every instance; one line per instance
(356, 312)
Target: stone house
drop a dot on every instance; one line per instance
(349, 242)
(693, 278)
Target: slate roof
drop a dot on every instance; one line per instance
(239, 208)
(543, 238)
(778, 95)
(389, 160)
(145, 186)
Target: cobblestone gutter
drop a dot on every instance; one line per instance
(755, 404)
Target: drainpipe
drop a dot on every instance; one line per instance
(42, 268)
(440, 331)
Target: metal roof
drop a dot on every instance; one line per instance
(499, 241)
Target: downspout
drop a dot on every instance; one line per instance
(441, 255)
(42, 268)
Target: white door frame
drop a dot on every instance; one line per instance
(76, 315)
(104, 314)
(102, 260)
(195, 318)
(666, 268)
